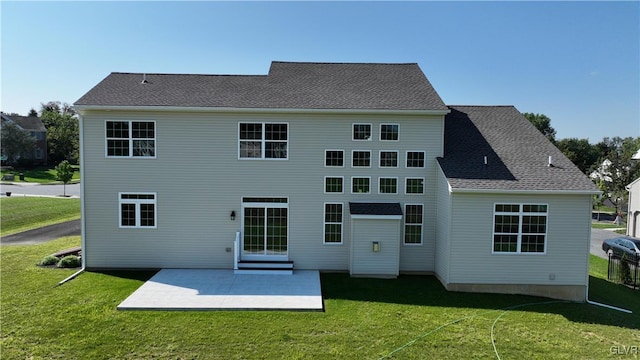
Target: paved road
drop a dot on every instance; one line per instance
(27, 189)
(43, 234)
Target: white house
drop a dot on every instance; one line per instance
(330, 166)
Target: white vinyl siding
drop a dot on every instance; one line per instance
(194, 226)
(565, 261)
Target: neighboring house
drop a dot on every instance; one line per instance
(36, 128)
(332, 166)
(633, 212)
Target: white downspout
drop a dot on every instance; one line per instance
(82, 217)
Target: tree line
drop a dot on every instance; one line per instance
(61, 123)
(609, 163)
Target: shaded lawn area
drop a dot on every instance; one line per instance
(25, 213)
(365, 318)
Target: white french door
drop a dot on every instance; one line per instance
(265, 227)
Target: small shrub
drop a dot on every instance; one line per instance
(49, 260)
(70, 261)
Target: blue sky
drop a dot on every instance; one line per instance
(576, 62)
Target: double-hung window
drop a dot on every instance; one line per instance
(361, 185)
(137, 210)
(131, 139)
(263, 141)
(519, 228)
(333, 223)
(413, 224)
(414, 186)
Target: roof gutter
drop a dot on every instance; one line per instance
(523, 192)
(82, 109)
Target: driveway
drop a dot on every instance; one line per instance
(43, 234)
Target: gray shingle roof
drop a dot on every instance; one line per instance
(31, 123)
(378, 208)
(288, 85)
(517, 153)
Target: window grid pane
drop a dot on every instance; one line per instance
(276, 231)
(520, 228)
(389, 132)
(361, 159)
(361, 132)
(127, 215)
(360, 185)
(413, 224)
(415, 186)
(333, 223)
(333, 185)
(388, 185)
(147, 215)
(415, 159)
(334, 158)
(388, 159)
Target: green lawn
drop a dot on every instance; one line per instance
(42, 175)
(412, 317)
(24, 213)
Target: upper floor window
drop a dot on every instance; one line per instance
(519, 228)
(334, 158)
(362, 132)
(389, 132)
(415, 159)
(388, 159)
(361, 158)
(263, 141)
(131, 138)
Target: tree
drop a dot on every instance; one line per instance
(581, 153)
(617, 169)
(543, 124)
(16, 142)
(62, 131)
(64, 173)
(33, 112)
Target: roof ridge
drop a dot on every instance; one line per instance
(342, 63)
(184, 74)
(480, 105)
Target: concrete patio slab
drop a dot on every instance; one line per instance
(206, 289)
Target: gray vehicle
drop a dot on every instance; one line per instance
(620, 245)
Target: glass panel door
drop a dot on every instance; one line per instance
(254, 231)
(276, 242)
(265, 232)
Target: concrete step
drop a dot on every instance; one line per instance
(265, 267)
